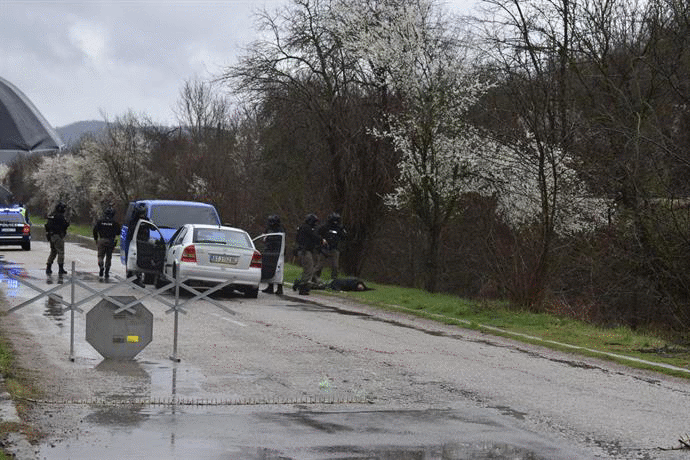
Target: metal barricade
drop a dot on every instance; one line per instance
(129, 304)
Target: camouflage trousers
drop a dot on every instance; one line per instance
(57, 249)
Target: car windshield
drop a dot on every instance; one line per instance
(11, 218)
(175, 216)
(223, 237)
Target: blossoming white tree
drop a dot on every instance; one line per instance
(60, 178)
(413, 51)
(106, 169)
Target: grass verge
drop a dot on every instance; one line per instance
(20, 389)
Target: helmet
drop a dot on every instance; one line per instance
(109, 213)
(311, 219)
(334, 218)
(273, 220)
(60, 207)
(140, 210)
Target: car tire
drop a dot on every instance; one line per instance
(251, 293)
(26, 246)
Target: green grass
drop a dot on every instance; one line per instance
(75, 229)
(500, 318)
(20, 388)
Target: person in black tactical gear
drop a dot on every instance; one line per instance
(138, 214)
(333, 232)
(273, 245)
(56, 230)
(105, 235)
(308, 243)
(348, 284)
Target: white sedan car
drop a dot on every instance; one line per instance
(211, 254)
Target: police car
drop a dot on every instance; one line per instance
(15, 227)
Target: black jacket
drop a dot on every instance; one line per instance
(57, 225)
(106, 228)
(333, 234)
(307, 238)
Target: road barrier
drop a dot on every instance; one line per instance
(122, 313)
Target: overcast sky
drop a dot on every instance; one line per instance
(80, 60)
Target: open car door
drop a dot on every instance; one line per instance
(272, 249)
(146, 251)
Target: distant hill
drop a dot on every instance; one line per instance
(70, 134)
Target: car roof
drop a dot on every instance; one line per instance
(175, 202)
(221, 227)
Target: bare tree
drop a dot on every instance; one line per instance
(122, 157)
(302, 64)
(527, 46)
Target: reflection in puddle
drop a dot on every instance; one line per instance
(54, 309)
(453, 451)
(8, 269)
(123, 367)
(121, 416)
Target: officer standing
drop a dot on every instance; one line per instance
(139, 213)
(105, 234)
(56, 230)
(333, 232)
(308, 242)
(274, 245)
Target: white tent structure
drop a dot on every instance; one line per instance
(23, 130)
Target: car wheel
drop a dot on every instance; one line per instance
(26, 246)
(251, 293)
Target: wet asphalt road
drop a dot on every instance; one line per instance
(322, 378)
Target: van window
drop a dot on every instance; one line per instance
(175, 216)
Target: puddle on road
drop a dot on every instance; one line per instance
(451, 451)
(11, 287)
(253, 434)
(54, 309)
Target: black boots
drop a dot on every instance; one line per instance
(269, 289)
(302, 287)
(61, 270)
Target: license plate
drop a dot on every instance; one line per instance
(5, 229)
(224, 259)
